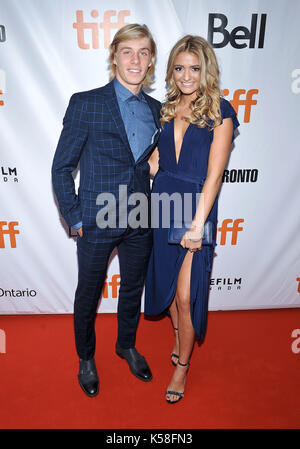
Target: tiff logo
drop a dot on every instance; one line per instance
(11, 231)
(234, 229)
(2, 342)
(81, 26)
(114, 284)
(298, 280)
(2, 85)
(248, 102)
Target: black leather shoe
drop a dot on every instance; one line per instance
(137, 363)
(88, 377)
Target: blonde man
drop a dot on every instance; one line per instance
(111, 131)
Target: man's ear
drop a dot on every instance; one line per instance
(115, 57)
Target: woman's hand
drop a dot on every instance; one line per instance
(192, 240)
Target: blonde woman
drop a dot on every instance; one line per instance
(197, 132)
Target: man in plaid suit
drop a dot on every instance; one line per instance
(111, 131)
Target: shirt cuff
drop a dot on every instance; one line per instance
(77, 225)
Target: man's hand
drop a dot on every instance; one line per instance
(79, 231)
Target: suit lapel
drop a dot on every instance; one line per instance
(113, 106)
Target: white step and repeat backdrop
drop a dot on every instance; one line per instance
(50, 49)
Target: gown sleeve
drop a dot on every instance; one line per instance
(228, 111)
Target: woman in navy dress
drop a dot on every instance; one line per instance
(194, 146)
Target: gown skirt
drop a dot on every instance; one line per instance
(166, 260)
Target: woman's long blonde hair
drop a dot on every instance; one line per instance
(206, 107)
(129, 32)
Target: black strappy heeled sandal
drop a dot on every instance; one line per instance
(177, 393)
(176, 356)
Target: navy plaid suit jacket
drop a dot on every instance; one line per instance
(94, 135)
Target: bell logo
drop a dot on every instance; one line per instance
(11, 231)
(106, 25)
(234, 229)
(240, 33)
(114, 284)
(237, 101)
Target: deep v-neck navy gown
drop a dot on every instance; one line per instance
(185, 176)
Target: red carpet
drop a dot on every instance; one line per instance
(245, 375)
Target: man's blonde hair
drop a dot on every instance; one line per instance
(126, 33)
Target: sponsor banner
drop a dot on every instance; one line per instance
(61, 47)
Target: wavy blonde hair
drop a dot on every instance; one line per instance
(206, 107)
(126, 33)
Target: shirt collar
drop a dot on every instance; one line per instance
(124, 94)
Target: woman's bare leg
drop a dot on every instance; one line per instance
(186, 331)
(174, 318)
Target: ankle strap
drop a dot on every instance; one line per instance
(183, 364)
(175, 328)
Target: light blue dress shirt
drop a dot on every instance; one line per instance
(138, 121)
(137, 118)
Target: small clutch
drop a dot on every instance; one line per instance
(178, 229)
